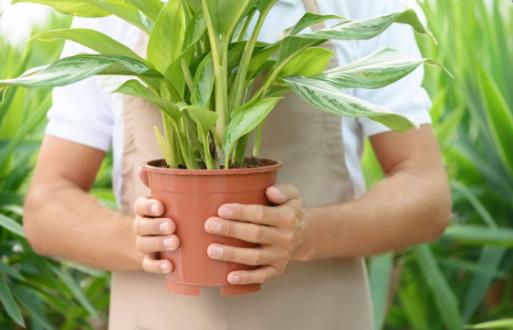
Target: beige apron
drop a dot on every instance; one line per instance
(324, 294)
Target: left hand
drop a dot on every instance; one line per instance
(278, 229)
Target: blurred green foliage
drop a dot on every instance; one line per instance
(35, 292)
(466, 277)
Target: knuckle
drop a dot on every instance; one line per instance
(258, 233)
(257, 212)
(258, 258)
(289, 216)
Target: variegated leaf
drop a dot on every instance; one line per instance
(333, 100)
(367, 28)
(75, 68)
(377, 70)
(91, 39)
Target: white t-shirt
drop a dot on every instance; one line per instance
(88, 114)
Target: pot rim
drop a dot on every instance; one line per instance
(205, 172)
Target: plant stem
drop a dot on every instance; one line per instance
(170, 139)
(258, 141)
(240, 78)
(219, 73)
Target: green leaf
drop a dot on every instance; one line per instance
(246, 120)
(11, 225)
(480, 235)
(167, 38)
(377, 70)
(203, 83)
(380, 270)
(135, 88)
(75, 68)
(308, 20)
(204, 118)
(226, 14)
(367, 28)
(33, 305)
(125, 11)
(490, 259)
(10, 305)
(499, 118)
(7, 270)
(75, 290)
(91, 39)
(98, 8)
(499, 324)
(311, 61)
(83, 8)
(445, 300)
(331, 99)
(150, 8)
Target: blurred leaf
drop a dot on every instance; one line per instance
(499, 117)
(380, 270)
(10, 305)
(480, 235)
(490, 259)
(11, 225)
(445, 300)
(500, 324)
(68, 280)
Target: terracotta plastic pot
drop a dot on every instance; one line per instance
(191, 197)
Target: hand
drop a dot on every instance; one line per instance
(278, 229)
(154, 235)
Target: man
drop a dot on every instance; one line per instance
(312, 239)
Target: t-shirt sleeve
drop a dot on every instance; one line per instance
(83, 112)
(407, 96)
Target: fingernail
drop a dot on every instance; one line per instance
(165, 227)
(165, 267)
(215, 251)
(225, 212)
(155, 208)
(214, 226)
(170, 243)
(234, 279)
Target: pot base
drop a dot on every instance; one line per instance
(194, 290)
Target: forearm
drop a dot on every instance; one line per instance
(411, 206)
(64, 221)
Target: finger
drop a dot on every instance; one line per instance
(260, 275)
(244, 231)
(280, 194)
(259, 214)
(149, 226)
(148, 207)
(245, 256)
(152, 244)
(152, 265)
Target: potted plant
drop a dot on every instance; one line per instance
(202, 62)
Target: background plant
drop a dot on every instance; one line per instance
(467, 276)
(203, 61)
(35, 292)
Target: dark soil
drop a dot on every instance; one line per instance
(248, 163)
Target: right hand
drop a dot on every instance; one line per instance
(154, 235)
